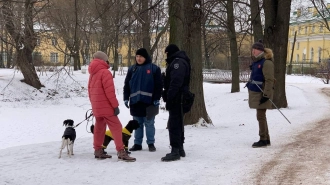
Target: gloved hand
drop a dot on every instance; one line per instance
(263, 100)
(117, 111)
(156, 103)
(126, 103)
(250, 66)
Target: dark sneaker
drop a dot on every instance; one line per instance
(122, 155)
(260, 143)
(100, 155)
(152, 147)
(135, 147)
(268, 142)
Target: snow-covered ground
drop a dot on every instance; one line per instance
(32, 126)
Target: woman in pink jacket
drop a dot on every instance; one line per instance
(102, 96)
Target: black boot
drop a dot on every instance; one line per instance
(260, 143)
(151, 147)
(268, 142)
(182, 152)
(173, 156)
(136, 147)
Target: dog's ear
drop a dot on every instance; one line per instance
(65, 122)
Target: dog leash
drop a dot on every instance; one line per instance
(86, 117)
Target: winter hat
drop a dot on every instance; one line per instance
(101, 55)
(258, 45)
(171, 49)
(142, 52)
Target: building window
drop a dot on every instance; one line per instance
(54, 57)
(54, 41)
(37, 58)
(319, 54)
(299, 30)
(306, 30)
(304, 55)
(298, 44)
(4, 56)
(313, 29)
(71, 61)
(297, 58)
(120, 59)
(321, 29)
(312, 54)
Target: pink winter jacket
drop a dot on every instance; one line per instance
(101, 89)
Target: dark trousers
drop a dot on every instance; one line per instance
(263, 127)
(175, 126)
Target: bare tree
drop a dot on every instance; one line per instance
(323, 11)
(24, 37)
(277, 17)
(233, 46)
(192, 44)
(256, 20)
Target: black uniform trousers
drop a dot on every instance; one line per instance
(175, 126)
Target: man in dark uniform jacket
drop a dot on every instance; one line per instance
(176, 82)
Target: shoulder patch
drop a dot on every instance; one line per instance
(176, 66)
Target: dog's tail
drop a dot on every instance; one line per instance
(92, 129)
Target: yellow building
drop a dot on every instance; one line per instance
(312, 44)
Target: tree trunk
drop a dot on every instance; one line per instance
(256, 20)
(146, 26)
(24, 43)
(25, 65)
(10, 51)
(193, 46)
(176, 18)
(233, 47)
(277, 17)
(206, 49)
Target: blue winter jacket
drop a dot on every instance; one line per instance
(143, 85)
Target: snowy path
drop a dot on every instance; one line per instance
(305, 160)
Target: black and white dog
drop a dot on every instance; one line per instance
(68, 137)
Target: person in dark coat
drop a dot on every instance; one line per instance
(261, 88)
(142, 92)
(176, 82)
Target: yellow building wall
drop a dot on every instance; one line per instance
(312, 42)
(51, 49)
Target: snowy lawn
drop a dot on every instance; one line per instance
(32, 126)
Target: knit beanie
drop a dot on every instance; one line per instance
(258, 45)
(142, 52)
(101, 55)
(171, 49)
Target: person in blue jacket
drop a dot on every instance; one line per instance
(142, 92)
